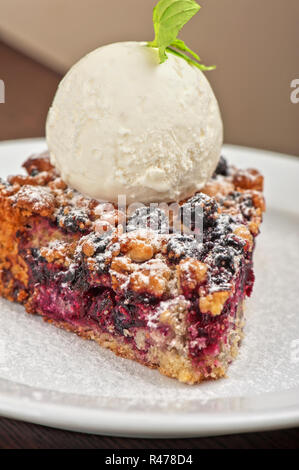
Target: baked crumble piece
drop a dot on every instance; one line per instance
(162, 299)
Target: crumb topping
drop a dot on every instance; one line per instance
(140, 251)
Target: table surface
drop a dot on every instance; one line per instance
(29, 90)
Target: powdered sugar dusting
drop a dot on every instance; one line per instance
(44, 358)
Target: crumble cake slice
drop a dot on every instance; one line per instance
(164, 300)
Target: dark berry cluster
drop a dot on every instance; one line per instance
(183, 246)
(222, 227)
(78, 276)
(72, 221)
(34, 172)
(148, 218)
(223, 257)
(244, 201)
(124, 317)
(39, 268)
(102, 307)
(200, 210)
(222, 167)
(100, 242)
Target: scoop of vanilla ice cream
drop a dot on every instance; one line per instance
(123, 124)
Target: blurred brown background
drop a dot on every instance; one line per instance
(255, 44)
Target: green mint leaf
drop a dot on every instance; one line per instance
(188, 59)
(179, 44)
(169, 16)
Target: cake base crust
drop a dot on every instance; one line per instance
(168, 363)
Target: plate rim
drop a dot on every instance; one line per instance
(142, 424)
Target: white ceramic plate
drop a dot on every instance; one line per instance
(52, 377)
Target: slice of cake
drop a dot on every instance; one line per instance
(167, 300)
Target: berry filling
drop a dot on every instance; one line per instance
(70, 295)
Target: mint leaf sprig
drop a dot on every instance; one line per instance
(169, 16)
